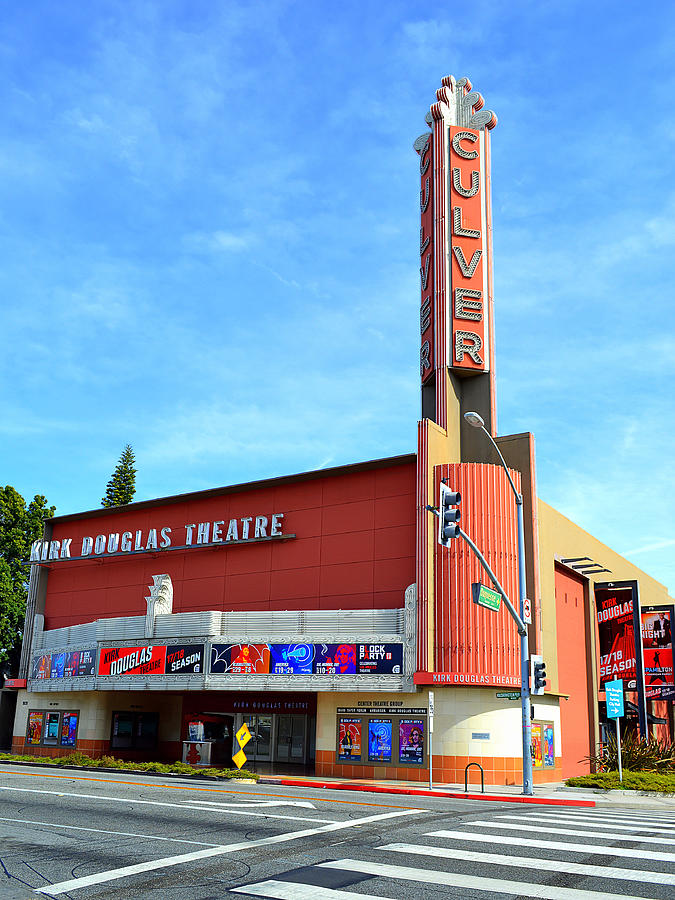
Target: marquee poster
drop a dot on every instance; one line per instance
(657, 643)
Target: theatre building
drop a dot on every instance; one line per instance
(319, 608)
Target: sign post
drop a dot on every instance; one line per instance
(614, 697)
(431, 739)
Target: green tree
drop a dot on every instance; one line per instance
(122, 486)
(20, 525)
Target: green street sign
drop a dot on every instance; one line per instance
(508, 695)
(485, 596)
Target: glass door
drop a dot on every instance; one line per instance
(291, 732)
(260, 745)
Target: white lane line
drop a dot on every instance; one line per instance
(261, 815)
(561, 820)
(152, 866)
(471, 882)
(527, 862)
(478, 837)
(149, 837)
(288, 890)
(576, 832)
(197, 804)
(236, 804)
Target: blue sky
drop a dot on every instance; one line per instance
(209, 243)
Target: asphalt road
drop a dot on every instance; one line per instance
(93, 836)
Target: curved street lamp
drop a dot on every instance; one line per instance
(476, 421)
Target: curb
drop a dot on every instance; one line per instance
(419, 792)
(188, 776)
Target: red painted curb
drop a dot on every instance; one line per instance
(416, 792)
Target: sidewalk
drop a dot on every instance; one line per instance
(549, 794)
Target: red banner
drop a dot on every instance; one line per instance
(132, 661)
(657, 648)
(616, 634)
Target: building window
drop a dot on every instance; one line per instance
(52, 728)
(134, 730)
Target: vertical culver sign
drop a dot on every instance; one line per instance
(426, 152)
(469, 252)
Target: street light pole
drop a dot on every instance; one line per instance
(475, 420)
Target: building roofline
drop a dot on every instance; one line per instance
(313, 474)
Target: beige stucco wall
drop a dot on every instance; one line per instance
(459, 713)
(559, 537)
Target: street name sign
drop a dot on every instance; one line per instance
(485, 596)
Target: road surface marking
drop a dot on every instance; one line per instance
(150, 837)
(236, 804)
(195, 803)
(577, 833)
(561, 820)
(604, 821)
(153, 865)
(471, 882)
(478, 837)
(527, 862)
(189, 787)
(291, 890)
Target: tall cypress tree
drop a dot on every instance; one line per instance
(122, 486)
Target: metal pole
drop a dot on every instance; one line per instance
(618, 747)
(431, 756)
(524, 659)
(524, 647)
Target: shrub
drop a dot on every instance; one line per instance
(632, 781)
(77, 758)
(637, 754)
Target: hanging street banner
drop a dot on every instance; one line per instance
(657, 643)
(485, 596)
(620, 638)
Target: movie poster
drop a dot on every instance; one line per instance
(614, 609)
(87, 662)
(535, 747)
(291, 659)
(72, 662)
(240, 659)
(349, 740)
(335, 659)
(68, 729)
(379, 740)
(58, 665)
(41, 667)
(34, 727)
(380, 659)
(51, 731)
(657, 644)
(411, 741)
(548, 751)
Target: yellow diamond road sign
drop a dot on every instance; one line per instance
(243, 736)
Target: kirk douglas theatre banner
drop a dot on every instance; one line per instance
(620, 639)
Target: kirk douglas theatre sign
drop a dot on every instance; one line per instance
(247, 529)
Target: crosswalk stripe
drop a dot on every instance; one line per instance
(609, 817)
(479, 837)
(527, 862)
(291, 890)
(626, 814)
(564, 821)
(576, 832)
(471, 882)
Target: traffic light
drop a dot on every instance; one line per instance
(538, 670)
(448, 515)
